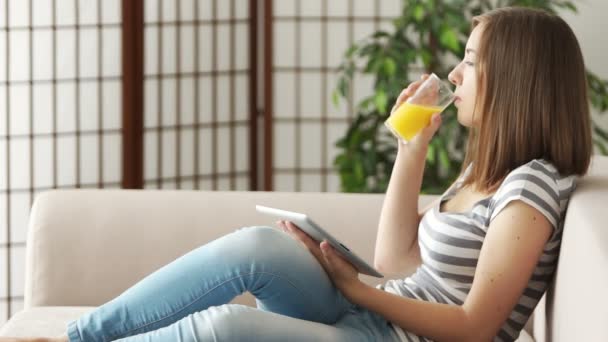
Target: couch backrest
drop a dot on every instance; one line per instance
(87, 246)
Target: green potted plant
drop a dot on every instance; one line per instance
(427, 35)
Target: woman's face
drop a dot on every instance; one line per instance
(464, 78)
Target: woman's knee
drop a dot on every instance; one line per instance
(268, 244)
(260, 238)
(265, 232)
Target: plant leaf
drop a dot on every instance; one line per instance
(601, 146)
(351, 51)
(389, 66)
(430, 154)
(601, 132)
(380, 100)
(444, 160)
(335, 98)
(418, 12)
(449, 38)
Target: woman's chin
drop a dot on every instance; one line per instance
(464, 120)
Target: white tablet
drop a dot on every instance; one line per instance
(317, 233)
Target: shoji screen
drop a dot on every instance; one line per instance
(309, 39)
(60, 126)
(60, 99)
(198, 106)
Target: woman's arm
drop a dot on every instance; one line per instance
(396, 248)
(510, 252)
(440, 322)
(399, 218)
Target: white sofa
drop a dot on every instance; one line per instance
(84, 247)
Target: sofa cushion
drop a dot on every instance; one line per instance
(43, 321)
(52, 320)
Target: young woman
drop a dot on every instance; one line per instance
(485, 251)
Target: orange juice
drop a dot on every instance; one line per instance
(410, 118)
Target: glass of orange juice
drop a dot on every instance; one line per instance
(433, 96)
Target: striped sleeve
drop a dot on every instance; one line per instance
(534, 184)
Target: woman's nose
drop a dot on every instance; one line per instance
(453, 77)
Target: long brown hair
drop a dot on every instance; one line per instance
(532, 97)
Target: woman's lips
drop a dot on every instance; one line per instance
(457, 99)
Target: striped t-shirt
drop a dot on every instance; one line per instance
(450, 243)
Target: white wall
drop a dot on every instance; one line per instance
(590, 27)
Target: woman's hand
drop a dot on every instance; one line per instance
(342, 273)
(420, 142)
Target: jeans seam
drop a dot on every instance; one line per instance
(74, 326)
(206, 293)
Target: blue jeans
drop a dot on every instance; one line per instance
(186, 300)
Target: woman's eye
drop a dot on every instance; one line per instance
(469, 63)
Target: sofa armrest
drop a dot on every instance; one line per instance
(576, 307)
